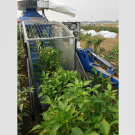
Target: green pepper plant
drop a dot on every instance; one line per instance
(74, 107)
(50, 59)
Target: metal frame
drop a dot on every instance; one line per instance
(77, 29)
(47, 38)
(88, 64)
(30, 64)
(31, 94)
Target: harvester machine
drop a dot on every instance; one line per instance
(36, 29)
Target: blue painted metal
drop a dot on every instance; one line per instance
(88, 63)
(31, 12)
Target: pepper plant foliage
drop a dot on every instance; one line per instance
(50, 58)
(74, 107)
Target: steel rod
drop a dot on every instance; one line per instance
(34, 39)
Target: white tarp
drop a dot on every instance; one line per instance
(62, 8)
(55, 6)
(106, 34)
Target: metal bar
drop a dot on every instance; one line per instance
(74, 55)
(38, 30)
(32, 29)
(25, 33)
(30, 64)
(34, 39)
(31, 94)
(29, 29)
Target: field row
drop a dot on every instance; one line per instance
(101, 28)
(103, 24)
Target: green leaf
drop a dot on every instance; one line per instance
(97, 125)
(61, 105)
(54, 91)
(103, 110)
(87, 131)
(68, 107)
(45, 117)
(19, 128)
(86, 100)
(24, 114)
(116, 116)
(114, 133)
(114, 91)
(65, 104)
(100, 117)
(80, 118)
(20, 123)
(59, 98)
(113, 109)
(83, 109)
(70, 85)
(88, 121)
(109, 86)
(40, 94)
(114, 122)
(84, 93)
(35, 128)
(93, 134)
(47, 99)
(21, 107)
(76, 131)
(104, 127)
(72, 110)
(56, 127)
(80, 105)
(19, 133)
(95, 87)
(76, 81)
(97, 100)
(52, 121)
(87, 82)
(95, 119)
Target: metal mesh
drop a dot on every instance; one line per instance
(48, 34)
(38, 30)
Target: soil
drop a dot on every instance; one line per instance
(108, 44)
(28, 122)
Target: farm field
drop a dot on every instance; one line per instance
(108, 47)
(103, 24)
(74, 107)
(108, 44)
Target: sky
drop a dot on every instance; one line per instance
(87, 10)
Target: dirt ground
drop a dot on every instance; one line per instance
(108, 44)
(28, 122)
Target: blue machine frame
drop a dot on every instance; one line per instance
(89, 62)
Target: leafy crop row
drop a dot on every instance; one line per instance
(96, 28)
(74, 108)
(89, 41)
(22, 101)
